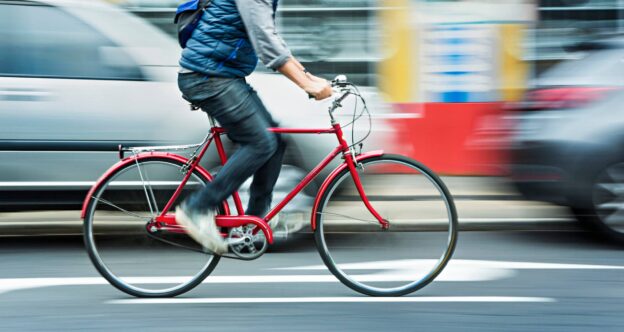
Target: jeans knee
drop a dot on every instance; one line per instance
(273, 144)
(267, 145)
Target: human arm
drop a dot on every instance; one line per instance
(314, 86)
(258, 17)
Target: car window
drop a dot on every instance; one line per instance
(45, 41)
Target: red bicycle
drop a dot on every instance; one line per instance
(384, 225)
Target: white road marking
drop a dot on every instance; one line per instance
(8, 285)
(399, 270)
(509, 220)
(16, 184)
(46, 183)
(458, 264)
(353, 299)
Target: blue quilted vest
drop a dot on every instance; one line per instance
(219, 45)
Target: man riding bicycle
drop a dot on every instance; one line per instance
(223, 49)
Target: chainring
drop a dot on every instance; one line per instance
(246, 245)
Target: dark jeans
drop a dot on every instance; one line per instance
(238, 109)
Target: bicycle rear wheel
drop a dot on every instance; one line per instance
(412, 252)
(125, 250)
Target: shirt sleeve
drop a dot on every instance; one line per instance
(257, 15)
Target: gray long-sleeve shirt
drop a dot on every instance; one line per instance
(257, 15)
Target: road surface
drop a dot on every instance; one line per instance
(497, 281)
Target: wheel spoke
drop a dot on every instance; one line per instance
(348, 217)
(132, 214)
(612, 205)
(608, 198)
(617, 189)
(616, 218)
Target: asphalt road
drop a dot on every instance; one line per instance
(497, 281)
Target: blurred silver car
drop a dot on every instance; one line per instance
(78, 78)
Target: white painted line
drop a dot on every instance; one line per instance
(19, 184)
(477, 265)
(510, 220)
(353, 299)
(8, 285)
(46, 183)
(398, 270)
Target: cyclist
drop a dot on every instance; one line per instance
(223, 49)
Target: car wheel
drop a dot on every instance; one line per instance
(606, 213)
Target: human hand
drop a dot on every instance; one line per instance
(318, 88)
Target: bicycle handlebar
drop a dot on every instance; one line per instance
(341, 86)
(339, 81)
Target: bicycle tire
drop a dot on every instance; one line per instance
(101, 265)
(329, 253)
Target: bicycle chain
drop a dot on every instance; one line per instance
(202, 251)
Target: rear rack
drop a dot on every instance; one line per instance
(140, 149)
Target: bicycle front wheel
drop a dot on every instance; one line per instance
(125, 249)
(412, 252)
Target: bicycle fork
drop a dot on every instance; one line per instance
(351, 164)
(349, 157)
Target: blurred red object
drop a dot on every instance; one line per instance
(563, 97)
(453, 138)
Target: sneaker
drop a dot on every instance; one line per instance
(201, 227)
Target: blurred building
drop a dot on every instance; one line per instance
(564, 23)
(328, 37)
(448, 67)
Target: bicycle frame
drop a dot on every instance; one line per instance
(166, 220)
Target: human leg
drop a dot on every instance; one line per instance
(261, 189)
(236, 107)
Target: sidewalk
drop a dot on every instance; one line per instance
(492, 203)
(483, 203)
